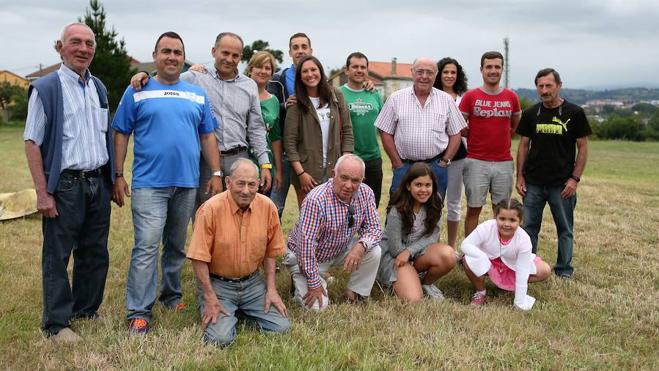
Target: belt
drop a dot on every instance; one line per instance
(234, 280)
(234, 150)
(434, 159)
(83, 174)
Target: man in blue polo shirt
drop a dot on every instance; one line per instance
(171, 119)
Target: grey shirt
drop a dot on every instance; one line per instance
(237, 107)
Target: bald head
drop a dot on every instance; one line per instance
(424, 62)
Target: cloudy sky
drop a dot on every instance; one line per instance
(593, 43)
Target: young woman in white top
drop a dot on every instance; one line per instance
(501, 249)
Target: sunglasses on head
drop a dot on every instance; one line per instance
(351, 216)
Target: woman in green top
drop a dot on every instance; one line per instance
(261, 68)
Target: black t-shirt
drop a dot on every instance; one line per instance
(553, 134)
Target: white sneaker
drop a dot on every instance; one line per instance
(66, 335)
(433, 292)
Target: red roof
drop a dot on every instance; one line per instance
(383, 69)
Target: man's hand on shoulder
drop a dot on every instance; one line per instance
(198, 68)
(139, 80)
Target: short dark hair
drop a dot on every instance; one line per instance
(171, 35)
(358, 55)
(222, 35)
(491, 55)
(296, 35)
(460, 86)
(546, 71)
(510, 204)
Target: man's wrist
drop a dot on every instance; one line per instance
(218, 173)
(266, 166)
(575, 178)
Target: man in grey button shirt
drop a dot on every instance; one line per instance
(236, 106)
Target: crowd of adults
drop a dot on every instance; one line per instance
(213, 128)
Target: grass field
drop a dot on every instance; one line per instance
(606, 317)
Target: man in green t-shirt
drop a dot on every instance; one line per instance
(364, 108)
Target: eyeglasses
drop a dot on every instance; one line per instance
(423, 73)
(351, 216)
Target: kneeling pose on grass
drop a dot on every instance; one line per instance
(410, 242)
(500, 249)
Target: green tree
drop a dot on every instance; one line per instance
(258, 45)
(13, 100)
(525, 102)
(618, 127)
(111, 63)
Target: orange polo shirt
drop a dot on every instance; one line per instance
(235, 242)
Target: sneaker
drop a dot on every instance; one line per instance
(66, 335)
(433, 292)
(178, 307)
(138, 326)
(478, 298)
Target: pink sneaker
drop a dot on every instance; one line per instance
(478, 299)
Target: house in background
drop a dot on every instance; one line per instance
(387, 76)
(13, 79)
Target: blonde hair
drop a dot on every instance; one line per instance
(259, 59)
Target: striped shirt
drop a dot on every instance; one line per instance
(420, 133)
(322, 232)
(85, 122)
(237, 106)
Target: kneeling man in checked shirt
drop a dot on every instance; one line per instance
(234, 234)
(330, 216)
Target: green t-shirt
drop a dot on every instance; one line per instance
(364, 108)
(270, 114)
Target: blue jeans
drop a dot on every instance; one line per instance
(80, 229)
(441, 173)
(158, 213)
(279, 196)
(247, 297)
(563, 212)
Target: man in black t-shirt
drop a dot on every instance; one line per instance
(551, 158)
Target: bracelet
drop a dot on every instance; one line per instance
(300, 174)
(266, 166)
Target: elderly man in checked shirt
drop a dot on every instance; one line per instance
(323, 237)
(420, 124)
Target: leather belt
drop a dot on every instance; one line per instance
(234, 280)
(83, 174)
(234, 151)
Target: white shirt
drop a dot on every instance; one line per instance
(420, 133)
(324, 119)
(483, 245)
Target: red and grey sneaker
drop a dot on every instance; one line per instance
(178, 307)
(478, 298)
(138, 326)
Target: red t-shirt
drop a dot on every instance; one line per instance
(489, 123)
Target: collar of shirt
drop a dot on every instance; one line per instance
(71, 74)
(212, 70)
(235, 209)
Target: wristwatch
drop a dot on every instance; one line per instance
(445, 162)
(218, 173)
(576, 178)
(118, 174)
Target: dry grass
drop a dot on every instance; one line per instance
(606, 317)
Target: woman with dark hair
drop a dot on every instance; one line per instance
(451, 79)
(318, 128)
(409, 243)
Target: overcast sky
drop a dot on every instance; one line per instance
(593, 43)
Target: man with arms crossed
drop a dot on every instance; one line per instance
(551, 158)
(235, 233)
(69, 153)
(171, 119)
(492, 113)
(364, 108)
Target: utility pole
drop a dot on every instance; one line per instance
(507, 63)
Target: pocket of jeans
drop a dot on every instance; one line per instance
(65, 184)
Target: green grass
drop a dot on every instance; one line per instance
(606, 317)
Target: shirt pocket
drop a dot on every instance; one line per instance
(100, 116)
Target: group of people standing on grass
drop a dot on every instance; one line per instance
(213, 128)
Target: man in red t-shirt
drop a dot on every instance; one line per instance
(492, 114)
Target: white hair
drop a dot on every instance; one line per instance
(349, 156)
(243, 161)
(66, 28)
(425, 59)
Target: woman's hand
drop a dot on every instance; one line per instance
(307, 182)
(402, 259)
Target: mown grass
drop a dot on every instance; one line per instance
(606, 317)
